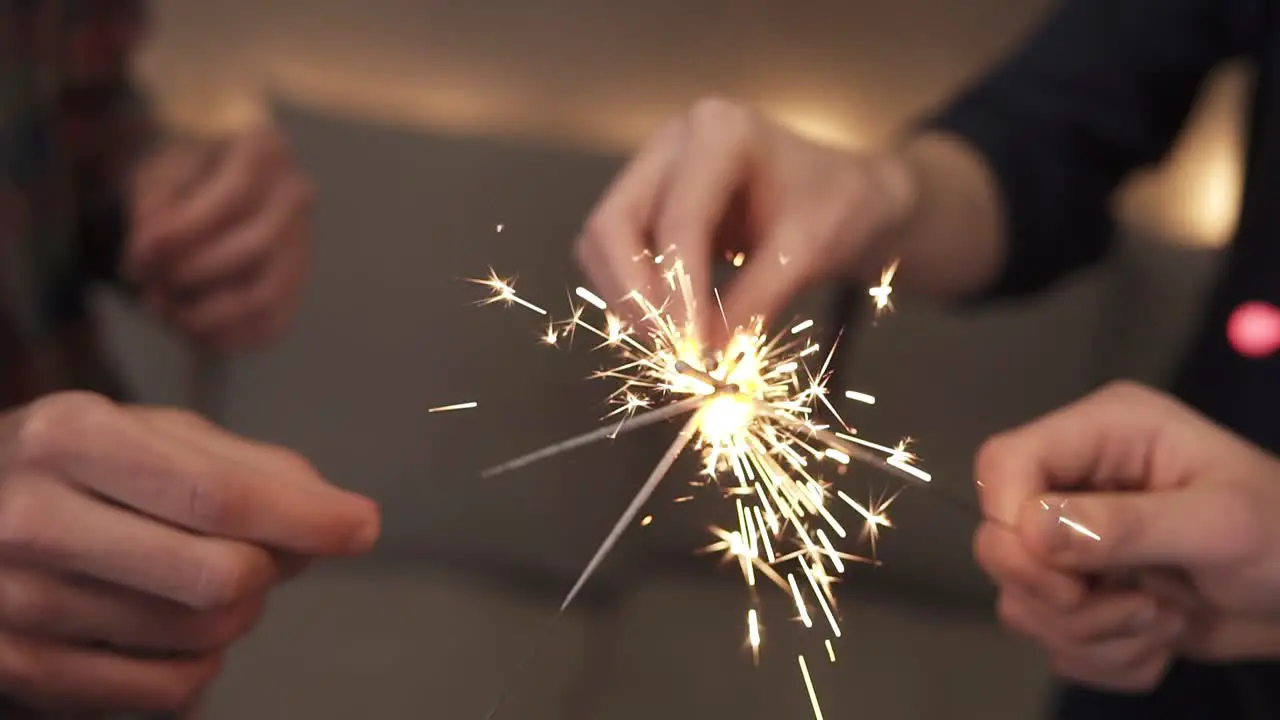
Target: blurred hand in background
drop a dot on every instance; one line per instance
(221, 238)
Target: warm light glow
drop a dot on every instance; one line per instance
(822, 125)
(1215, 188)
(725, 419)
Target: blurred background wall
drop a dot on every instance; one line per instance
(448, 136)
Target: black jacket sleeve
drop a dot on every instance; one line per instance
(1099, 89)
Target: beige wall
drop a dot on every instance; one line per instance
(601, 76)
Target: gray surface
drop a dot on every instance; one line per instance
(409, 641)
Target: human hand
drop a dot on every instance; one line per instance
(137, 544)
(724, 179)
(221, 238)
(1178, 505)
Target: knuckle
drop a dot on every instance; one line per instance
(29, 605)
(1010, 614)
(180, 417)
(223, 577)
(214, 630)
(1130, 392)
(294, 464)
(211, 505)
(991, 459)
(180, 695)
(1126, 657)
(597, 231)
(28, 517)
(1243, 532)
(26, 669)
(987, 552)
(604, 232)
(1149, 675)
(54, 425)
(721, 115)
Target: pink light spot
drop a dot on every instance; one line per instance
(1254, 329)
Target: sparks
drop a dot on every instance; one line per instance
(753, 634)
(860, 397)
(808, 684)
(590, 297)
(1080, 528)
(751, 410)
(452, 408)
(504, 291)
(882, 292)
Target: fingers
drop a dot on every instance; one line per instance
(246, 244)
(765, 285)
(52, 676)
(1105, 441)
(164, 180)
(57, 608)
(1196, 527)
(233, 186)
(247, 310)
(1001, 555)
(611, 250)
(101, 449)
(50, 525)
(1118, 640)
(712, 169)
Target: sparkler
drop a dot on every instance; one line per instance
(751, 412)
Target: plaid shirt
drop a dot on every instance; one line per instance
(70, 130)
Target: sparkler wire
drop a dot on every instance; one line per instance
(609, 431)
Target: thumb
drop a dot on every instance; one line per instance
(1092, 532)
(763, 287)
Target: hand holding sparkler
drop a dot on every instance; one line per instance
(725, 181)
(1159, 487)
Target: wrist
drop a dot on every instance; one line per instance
(945, 228)
(895, 191)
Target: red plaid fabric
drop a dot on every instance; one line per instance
(71, 127)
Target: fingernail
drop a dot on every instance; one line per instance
(363, 538)
(366, 535)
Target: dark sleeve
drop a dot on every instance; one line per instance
(1101, 88)
(111, 127)
(106, 182)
